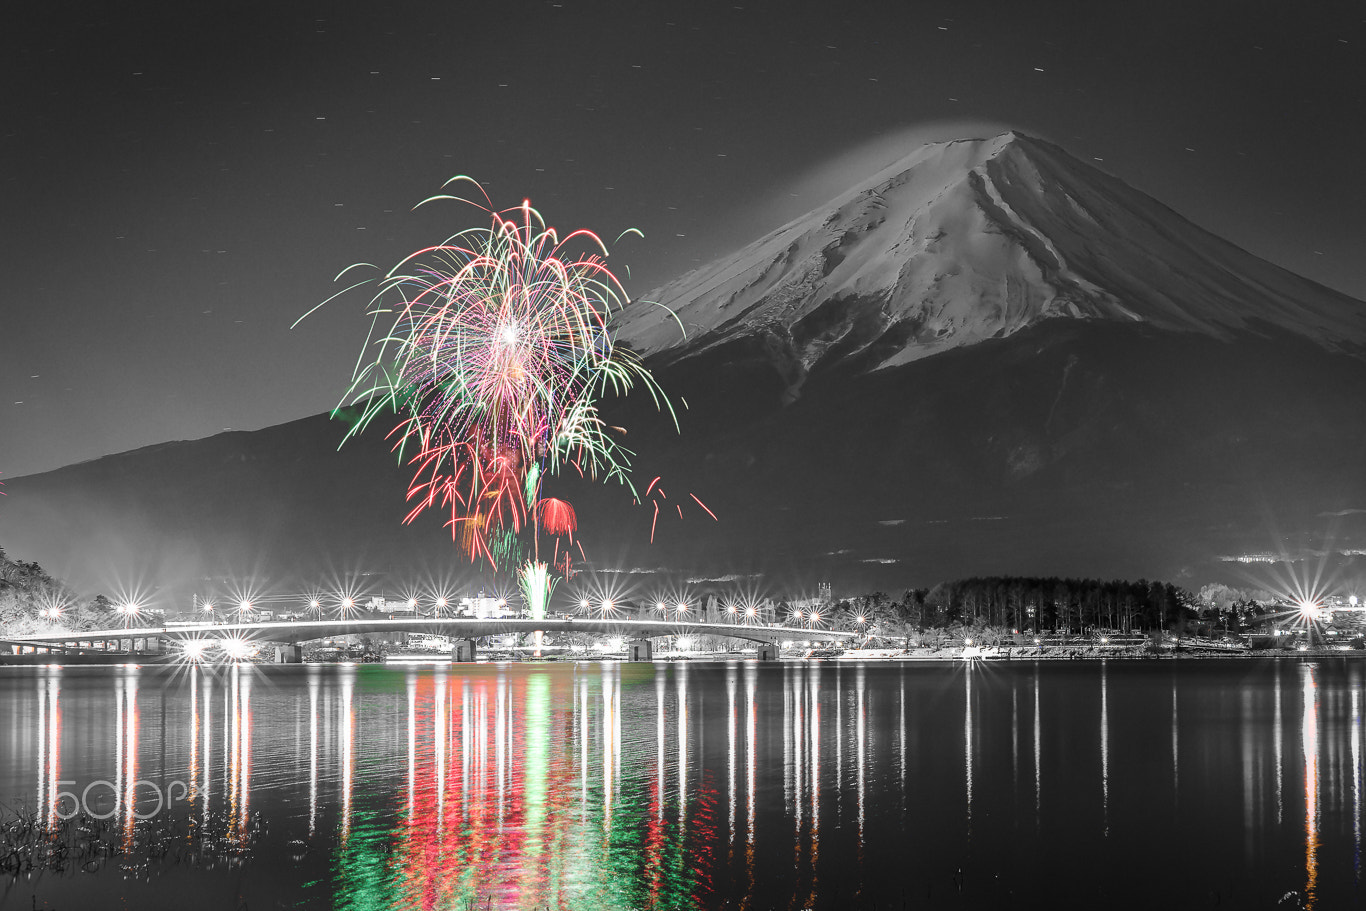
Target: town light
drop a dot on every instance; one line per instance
(236, 649)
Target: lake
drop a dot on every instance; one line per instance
(786, 785)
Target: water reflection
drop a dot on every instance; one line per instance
(1309, 734)
(614, 786)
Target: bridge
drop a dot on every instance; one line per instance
(465, 630)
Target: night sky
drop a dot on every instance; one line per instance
(183, 180)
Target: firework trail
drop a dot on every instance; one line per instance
(493, 347)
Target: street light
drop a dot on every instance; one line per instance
(129, 611)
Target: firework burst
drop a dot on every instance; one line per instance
(493, 348)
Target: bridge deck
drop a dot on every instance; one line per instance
(293, 631)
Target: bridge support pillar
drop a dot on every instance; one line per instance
(767, 651)
(289, 654)
(640, 650)
(463, 651)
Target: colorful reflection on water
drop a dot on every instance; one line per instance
(622, 786)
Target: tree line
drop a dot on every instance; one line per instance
(1026, 604)
(32, 602)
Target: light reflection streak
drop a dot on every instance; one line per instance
(193, 770)
(49, 746)
(731, 712)
(751, 763)
(499, 740)
(967, 738)
(1250, 757)
(439, 743)
(814, 762)
(466, 739)
(119, 722)
(682, 709)
(312, 753)
(901, 720)
(208, 749)
(795, 728)
(1015, 738)
(1356, 784)
(54, 747)
(1309, 735)
(1277, 736)
(1038, 767)
(411, 686)
(788, 791)
(582, 722)
(129, 771)
(839, 740)
(346, 735)
(42, 746)
(1176, 746)
(243, 722)
(860, 728)
(1105, 746)
(610, 745)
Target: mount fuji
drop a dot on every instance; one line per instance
(978, 239)
(988, 358)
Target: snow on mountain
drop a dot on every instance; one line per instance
(975, 239)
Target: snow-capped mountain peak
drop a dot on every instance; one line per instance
(974, 239)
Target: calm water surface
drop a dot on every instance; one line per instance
(629, 786)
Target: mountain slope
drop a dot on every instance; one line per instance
(976, 239)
